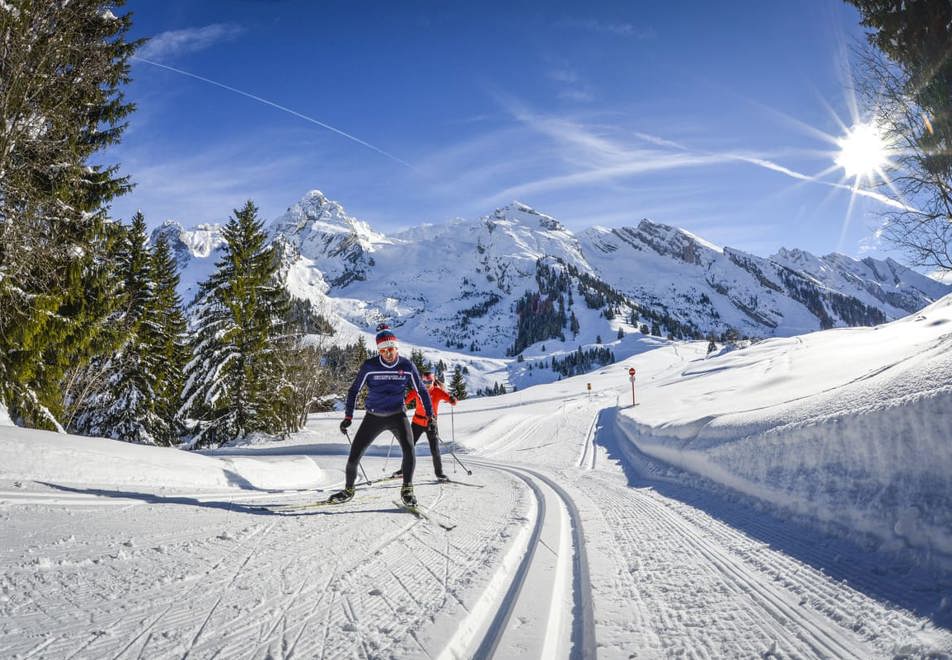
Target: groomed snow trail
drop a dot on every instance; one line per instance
(576, 546)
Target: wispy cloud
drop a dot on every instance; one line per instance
(571, 86)
(174, 43)
(277, 106)
(598, 175)
(203, 187)
(760, 161)
(618, 29)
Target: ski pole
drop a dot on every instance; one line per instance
(453, 454)
(387, 462)
(452, 432)
(366, 478)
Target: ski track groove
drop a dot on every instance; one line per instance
(588, 445)
(737, 575)
(583, 643)
(676, 620)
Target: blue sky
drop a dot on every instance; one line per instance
(707, 116)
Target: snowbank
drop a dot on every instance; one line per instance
(27, 454)
(848, 428)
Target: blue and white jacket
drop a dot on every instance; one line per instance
(387, 386)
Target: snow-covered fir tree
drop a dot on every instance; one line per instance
(458, 384)
(164, 332)
(125, 408)
(61, 69)
(234, 377)
(132, 395)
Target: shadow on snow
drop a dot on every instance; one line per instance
(896, 581)
(223, 505)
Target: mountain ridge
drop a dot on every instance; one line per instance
(459, 284)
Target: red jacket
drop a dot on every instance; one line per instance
(437, 394)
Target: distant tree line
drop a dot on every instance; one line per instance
(581, 361)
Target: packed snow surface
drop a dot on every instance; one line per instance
(786, 500)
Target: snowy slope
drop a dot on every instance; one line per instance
(576, 533)
(891, 286)
(846, 427)
(715, 289)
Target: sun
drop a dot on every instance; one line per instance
(863, 152)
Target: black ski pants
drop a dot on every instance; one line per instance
(370, 428)
(433, 437)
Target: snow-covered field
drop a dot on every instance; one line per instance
(789, 500)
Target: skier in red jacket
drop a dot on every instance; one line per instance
(421, 425)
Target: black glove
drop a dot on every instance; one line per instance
(452, 400)
(344, 424)
(431, 425)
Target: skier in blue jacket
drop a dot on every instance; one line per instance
(387, 377)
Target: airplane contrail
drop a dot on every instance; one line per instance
(279, 107)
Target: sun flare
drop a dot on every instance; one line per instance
(863, 152)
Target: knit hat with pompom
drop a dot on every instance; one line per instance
(385, 337)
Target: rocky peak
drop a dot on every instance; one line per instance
(673, 242)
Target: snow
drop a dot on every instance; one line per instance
(787, 499)
(27, 454)
(848, 427)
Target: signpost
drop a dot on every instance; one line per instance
(631, 377)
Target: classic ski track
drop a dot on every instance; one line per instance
(803, 631)
(588, 447)
(850, 609)
(582, 634)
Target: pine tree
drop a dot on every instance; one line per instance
(165, 334)
(457, 384)
(905, 77)
(133, 394)
(61, 67)
(360, 356)
(416, 357)
(125, 408)
(235, 378)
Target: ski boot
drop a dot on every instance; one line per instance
(406, 494)
(442, 478)
(397, 475)
(342, 496)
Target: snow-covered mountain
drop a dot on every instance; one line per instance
(463, 284)
(881, 283)
(196, 252)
